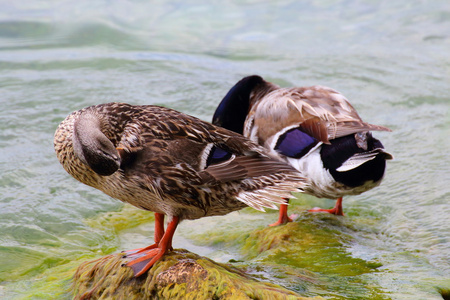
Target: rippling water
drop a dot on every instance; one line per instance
(390, 59)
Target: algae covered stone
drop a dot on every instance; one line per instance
(179, 275)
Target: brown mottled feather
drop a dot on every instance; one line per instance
(163, 168)
(245, 166)
(320, 111)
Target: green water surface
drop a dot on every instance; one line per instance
(389, 58)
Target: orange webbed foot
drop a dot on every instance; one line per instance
(337, 210)
(283, 217)
(130, 253)
(143, 260)
(332, 211)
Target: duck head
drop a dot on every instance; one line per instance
(93, 147)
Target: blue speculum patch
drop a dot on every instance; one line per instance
(295, 143)
(217, 155)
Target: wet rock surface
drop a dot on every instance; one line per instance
(179, 275)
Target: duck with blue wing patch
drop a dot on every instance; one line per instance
(315, 129)
(170, 163)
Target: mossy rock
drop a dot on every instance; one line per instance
(178, 275)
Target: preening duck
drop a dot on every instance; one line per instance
(170, 163)
(315, 129)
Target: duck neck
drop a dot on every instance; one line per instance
(234, 107)
(92, 146)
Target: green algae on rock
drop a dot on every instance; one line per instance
(310, 256)
(179, 275)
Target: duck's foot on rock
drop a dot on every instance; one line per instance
(336, 210)
(283, 217)
(142, 260)
(332, 211)
(284, 221)
(177, 275)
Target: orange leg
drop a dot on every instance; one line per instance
(337, 210)
(144, 260)
(159, 233)
(159, 227)
(283, 217)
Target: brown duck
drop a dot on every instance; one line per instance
(173, 164)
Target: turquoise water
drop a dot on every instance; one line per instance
(390, 58)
